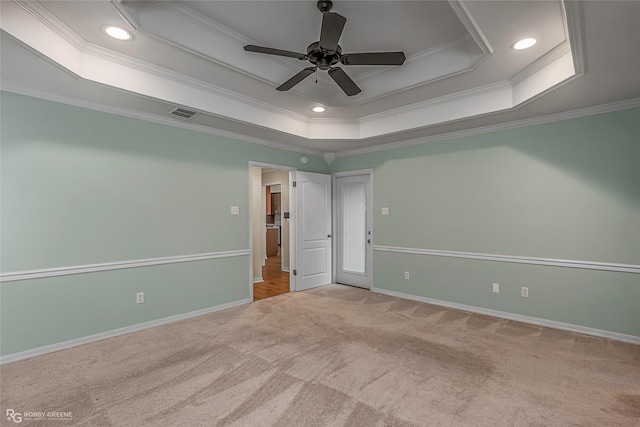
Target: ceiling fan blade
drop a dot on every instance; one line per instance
(332, 26)
(373, 58)
(271, 51)
(344, 81)
(296, 79)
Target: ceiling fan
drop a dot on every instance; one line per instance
(326, 53)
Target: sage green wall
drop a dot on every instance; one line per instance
(83, 187)
(567, 190)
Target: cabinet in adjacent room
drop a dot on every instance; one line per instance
(272, 241)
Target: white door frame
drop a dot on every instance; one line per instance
(334, 213)
(251, 207)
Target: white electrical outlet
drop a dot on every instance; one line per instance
(406, 275)
(139, 297)
(525, 292)
(235, 210)
(385, 211)
(496, 288)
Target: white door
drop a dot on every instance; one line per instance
(313, 230)
(353, 230)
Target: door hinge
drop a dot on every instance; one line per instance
(295, 272)
(295, 183)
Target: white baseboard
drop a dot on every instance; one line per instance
(258, 279)
(114, 333)
(517, 317)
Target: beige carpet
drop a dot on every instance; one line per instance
(334, 356)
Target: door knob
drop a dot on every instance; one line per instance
(329, 235)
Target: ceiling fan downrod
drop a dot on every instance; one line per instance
(325, 6)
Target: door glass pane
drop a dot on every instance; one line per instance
(354, 224)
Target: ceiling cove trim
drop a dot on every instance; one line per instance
(230, 41)
(148, 117)
(60, 28)
(244, 109)
(124, 14)
(461, 10)
(100, 65)
(202, 27)
(574, 28)
(539, 64)
(53, 23)
(458, 106)
(425, 57)
(482, 90)
(550, 118)
(199, 19)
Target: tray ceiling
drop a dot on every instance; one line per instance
(460, 62)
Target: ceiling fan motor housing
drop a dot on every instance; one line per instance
(323, 59)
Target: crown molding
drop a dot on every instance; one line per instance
(199, 19)
(148, 117)
(54, 24)
(231, 42)
(94, 63)
(461, 10)
(220, 35)
(573, 14)
(550, 118)
(538, 65)
(482, 90)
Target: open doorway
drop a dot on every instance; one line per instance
(271, 231)
(306, 229)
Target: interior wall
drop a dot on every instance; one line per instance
(562, 191)
(82, 188)
(281, 176)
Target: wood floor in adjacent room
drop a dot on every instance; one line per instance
(334, 356)
(276, 281)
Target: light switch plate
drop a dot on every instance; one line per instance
(496, 288)
(385, 211)
(235, 210)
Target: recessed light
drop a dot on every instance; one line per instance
(525, 43)
(319, 109)
(118, 33)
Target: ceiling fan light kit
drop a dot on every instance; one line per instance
(326, 53)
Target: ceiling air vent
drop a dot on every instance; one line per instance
(183, 112)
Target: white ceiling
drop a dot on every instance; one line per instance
(461, 72)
